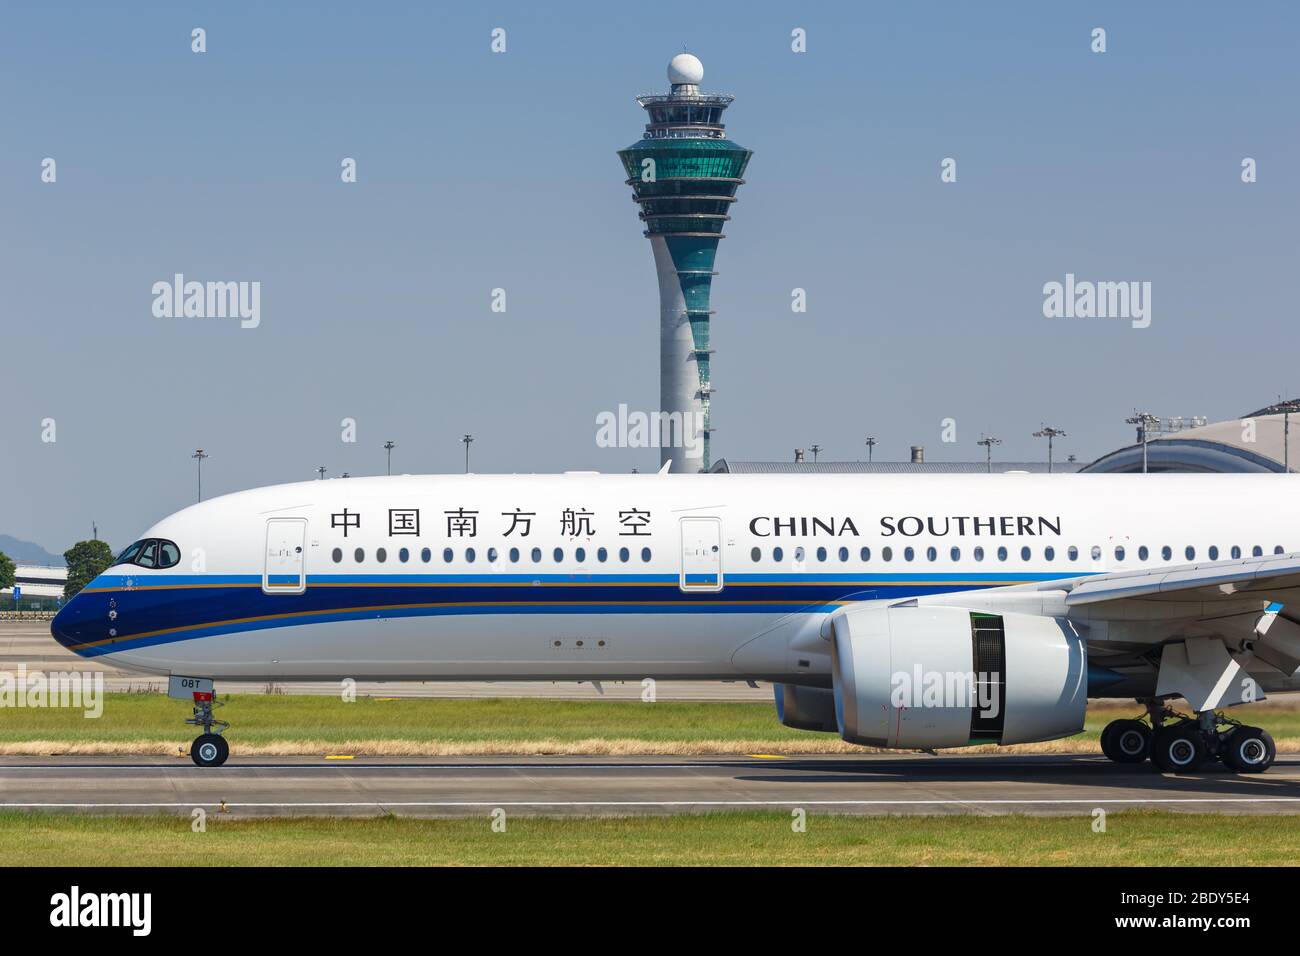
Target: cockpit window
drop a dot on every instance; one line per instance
(151, 553)
(128, 556)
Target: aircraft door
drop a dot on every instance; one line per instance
(701, 554)
(285, 570)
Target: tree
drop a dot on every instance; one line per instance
(7, 571)
(87, 560)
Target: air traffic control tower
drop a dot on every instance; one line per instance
(684, 173)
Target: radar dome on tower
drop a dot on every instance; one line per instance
(685, 70)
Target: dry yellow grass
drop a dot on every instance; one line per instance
(596, 746)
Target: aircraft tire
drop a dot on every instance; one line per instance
(1249, 750)
(209, 750)
(1129, 741)
(1179, 748)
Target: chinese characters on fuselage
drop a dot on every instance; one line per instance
(464, 523)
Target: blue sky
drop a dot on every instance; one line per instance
(481, 170)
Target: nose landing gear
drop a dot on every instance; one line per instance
(209, 749)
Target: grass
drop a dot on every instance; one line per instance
(1132, 838)
(288, 724)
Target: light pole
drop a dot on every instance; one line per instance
(1287, 409)
(320, 470)
(988, 441)
(467, 438)
(199, 455)
(814, 448)
(388, 447)
(1050, 433)
(871, 447)
(1144, 421)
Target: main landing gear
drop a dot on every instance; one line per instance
(1176, 743)
(209, 749)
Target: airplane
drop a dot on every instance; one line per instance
(899, 611)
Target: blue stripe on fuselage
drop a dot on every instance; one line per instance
(160, 609)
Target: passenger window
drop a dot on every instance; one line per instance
(1072, 553)
(469, 555)
(337, 555)
(536, 555)
(1002, 554)
(1119, 552)
(865, 554)
(1235, 552)
(381, 555)
(1096, 552)
(492, 555)
(1167, 553)
(931, 554)
(908, 554)
(821, 554)
(447, 555)
(359, 555)
(1257, 551)
(1049, 552)
(426, 555)
(844, 554)
(777, 554)
(645, 554)
(1142, 553)
(955, 554)
(755, 554)
(979, 554)
(602, 554)
(887, 554)
(558, 555)
(580, 554)
(624, 554)
(1191, 553)
(514, 555)
(1214, 553)
(404, 555)
(1025, 554)
(799, 553)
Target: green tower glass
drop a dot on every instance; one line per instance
(684, 174)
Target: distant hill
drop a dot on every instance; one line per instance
(24, 552)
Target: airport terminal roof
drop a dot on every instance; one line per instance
(1253, 443)
(736, 467)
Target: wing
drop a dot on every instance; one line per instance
(1253, 605)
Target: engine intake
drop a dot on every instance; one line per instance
(928, 677)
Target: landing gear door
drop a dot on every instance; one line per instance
(285, 571)
(701, 554)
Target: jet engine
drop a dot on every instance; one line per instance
(927, 677)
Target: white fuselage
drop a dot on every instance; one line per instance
(623, 576)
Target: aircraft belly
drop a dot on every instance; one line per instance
(546, 646)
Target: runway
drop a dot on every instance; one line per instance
(866, 784)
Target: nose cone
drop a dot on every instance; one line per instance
(77, 625)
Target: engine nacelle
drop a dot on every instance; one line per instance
(806, 708)
(929, 677)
